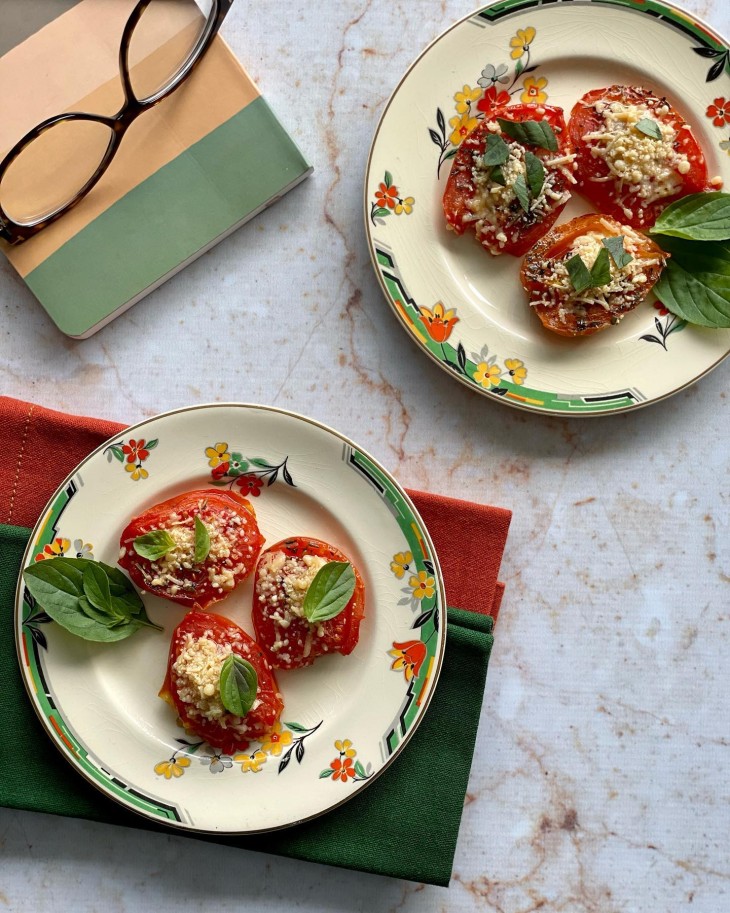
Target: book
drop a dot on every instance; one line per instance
(189, 171)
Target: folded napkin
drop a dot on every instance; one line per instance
(377, 830)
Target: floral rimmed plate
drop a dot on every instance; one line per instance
(345, 718)
(466, 309)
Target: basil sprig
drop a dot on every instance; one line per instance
(238, 685)
(697, 217)
(89, 598)
(582, 278)
(649, 128)
(615, 246)
(530, 132)
(329, 592)
(202, 541)
(154, 544)
(695, 283)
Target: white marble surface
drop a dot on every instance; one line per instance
(600, 783)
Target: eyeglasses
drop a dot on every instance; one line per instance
(58, 162)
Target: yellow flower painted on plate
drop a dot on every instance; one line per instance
(250, 762)
(276, 740)
(487, 375)
(462, 125)
(401, 563)
(218, 454)
(344, 746)
(533, 91)
(406, 205)
(422, 585)
(55, 549)
(521, 42)
(517, 370)
(174, 767)
(464, 98)
(137, 472)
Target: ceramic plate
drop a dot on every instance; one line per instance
(534, 53)
(345, 718)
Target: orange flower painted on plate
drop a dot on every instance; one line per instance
(386, 196)
(342, 768)
(55, 549)
(719, 111)
(409, 657)
(439, 323)
(533, 91)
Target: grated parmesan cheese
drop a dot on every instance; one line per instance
(613, 296)
(640, 165)
(495, 208)
(281, 586)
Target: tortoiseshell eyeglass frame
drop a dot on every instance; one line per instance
(15, 232)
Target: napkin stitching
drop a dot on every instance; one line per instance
(20, 461)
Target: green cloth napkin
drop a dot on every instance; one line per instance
(376, 831)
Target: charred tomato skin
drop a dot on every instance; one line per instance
(259, 721)
(604, 195)
(553, 247)
(460, 190)
(338, 635)
(199, 590)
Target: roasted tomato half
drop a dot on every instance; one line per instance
(546, 278)
(234, 545)
(482, 198)
(635, 153)
(283, 576)
(200, 645)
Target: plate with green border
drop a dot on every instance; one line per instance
(345, 718)
(466, 309)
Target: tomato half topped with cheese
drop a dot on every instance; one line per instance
(546, 277)
(200, 645)
(482, 198)
(283, 576)
(234, 545)
(635, 153)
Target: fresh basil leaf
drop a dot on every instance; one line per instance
(697, 217)
(96, 587)
(649, 127)
(329, 592)
(496, 151)
(238, 685)
(700, 298)
(61, 586)
(579, 274)
(530, 132)
(535, 173)
(615, 246)
(497, 176)
(202, 541)
(154, 544)
(601, 269)
(521, 192)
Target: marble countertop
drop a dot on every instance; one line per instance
(600, 778)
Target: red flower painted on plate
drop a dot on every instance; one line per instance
(220, 470)
(660, 307)
(719, 112)
(492, 99)
(135, 451)
(250, 485)
(409, 657)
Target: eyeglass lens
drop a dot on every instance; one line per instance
(51, 171)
